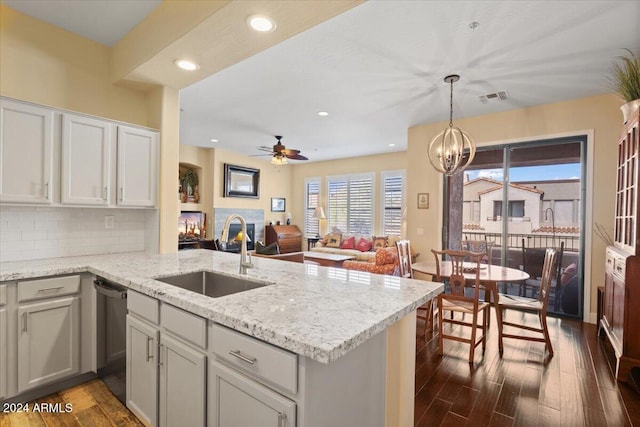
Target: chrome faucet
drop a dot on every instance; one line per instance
(244, 264)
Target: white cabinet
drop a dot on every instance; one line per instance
(137, 166)
(236, 400)
(26, 153)
(183, 384)
(86, 160)
(3, 342)
(48, 341)
(142, 370)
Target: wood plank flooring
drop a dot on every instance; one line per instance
(91, 405)
(526, 387)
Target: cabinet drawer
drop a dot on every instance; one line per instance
(47, 288)
(264, 361)
(143, 306)
(3, 295)
(185, 325)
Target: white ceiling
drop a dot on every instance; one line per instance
(378, 69)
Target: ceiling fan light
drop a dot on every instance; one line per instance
(279, 160)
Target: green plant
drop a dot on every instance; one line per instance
(626, 76)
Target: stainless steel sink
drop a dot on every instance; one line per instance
(213, 285)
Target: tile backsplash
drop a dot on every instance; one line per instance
(28, 232)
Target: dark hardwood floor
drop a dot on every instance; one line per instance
(525, 387)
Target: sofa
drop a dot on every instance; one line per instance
(385, 261)
(362, 247)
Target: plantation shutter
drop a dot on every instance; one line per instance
(312, 201)
(392, 205)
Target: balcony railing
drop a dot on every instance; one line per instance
(571, 243)
(511, 218)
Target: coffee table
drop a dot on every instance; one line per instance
(327, 260)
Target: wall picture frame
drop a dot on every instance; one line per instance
(278, 204)
(241, 181)
(423, 200)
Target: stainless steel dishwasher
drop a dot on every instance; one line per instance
(112, 335)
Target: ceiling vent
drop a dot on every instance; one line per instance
(494, 97)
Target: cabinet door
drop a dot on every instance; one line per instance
(3, 352)
(237, 401)
(142, 370)
(617, 316)
(183, 382)
(137, 166)
(86, 162)
(26, 147)
(48, 341)
(608, 299)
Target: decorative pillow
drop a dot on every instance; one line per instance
(568, 273)
(380, 242)
(349, 243)
(386, 256)
(392, 240)
(363, 245)
(334, 240)
(271, 249)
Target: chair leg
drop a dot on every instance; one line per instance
(499, 316)
(474, 326)
(545, 331)
(485, 313)
(440, 340)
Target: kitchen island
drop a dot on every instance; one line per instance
(316, 312)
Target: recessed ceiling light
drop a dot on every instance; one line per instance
(323, 113)
(261, 23)
(186, 64)
(392, 145)
(213, 140)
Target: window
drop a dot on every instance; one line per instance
(392, 202)
(311, 202)
(516, 208)
(350, 203)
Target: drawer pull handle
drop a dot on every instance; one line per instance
(122, 194)
(45, 290)
(24, 322)
(282, 417)
(249, 360)
(160, 355)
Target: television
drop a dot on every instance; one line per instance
(191, 226)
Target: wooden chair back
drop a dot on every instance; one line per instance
(478, 246)
(548, 273)
(404, 258)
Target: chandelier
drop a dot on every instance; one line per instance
(447, 149)
(279, 159)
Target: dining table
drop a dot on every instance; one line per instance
(490, 275)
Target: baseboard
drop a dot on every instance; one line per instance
(37, 393)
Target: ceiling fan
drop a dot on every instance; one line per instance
(280, 153)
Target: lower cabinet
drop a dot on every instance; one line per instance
(142, 370)
(3, 343)
(183, 384)
(236, 400)
(48, 341)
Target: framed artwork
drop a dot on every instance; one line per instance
(423, 200)
(240, 181)
(278, 204)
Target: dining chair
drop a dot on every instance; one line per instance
(529, 305)
(458, 302)
(532, 264)
(425, 311)
(478, 246)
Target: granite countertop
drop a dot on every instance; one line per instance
(318, 312)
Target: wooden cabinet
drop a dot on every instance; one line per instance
(26, 153)
(48, 341)
(137, 166)
(86, 160)
(3, 342)
(288, 237)
(622, 276)
(142, 370)
(236, 400)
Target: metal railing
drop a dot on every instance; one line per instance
(571, 243)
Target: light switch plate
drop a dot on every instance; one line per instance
(109, 221)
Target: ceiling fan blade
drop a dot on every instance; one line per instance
(296, 157)
(288, 152)
(265, 148)
(260, 155)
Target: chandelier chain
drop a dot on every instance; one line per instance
(451, 105)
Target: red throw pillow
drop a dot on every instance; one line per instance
(363, 245)
(349, 243)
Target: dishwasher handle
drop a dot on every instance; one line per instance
(102, 287)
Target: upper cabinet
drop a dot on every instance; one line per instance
(86, 160)
(26, 153)
(91, 161)
(137, 166)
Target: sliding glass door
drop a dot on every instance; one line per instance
(521, 199)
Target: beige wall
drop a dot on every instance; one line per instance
(46, 65)
(376, 164)
(599, 114)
